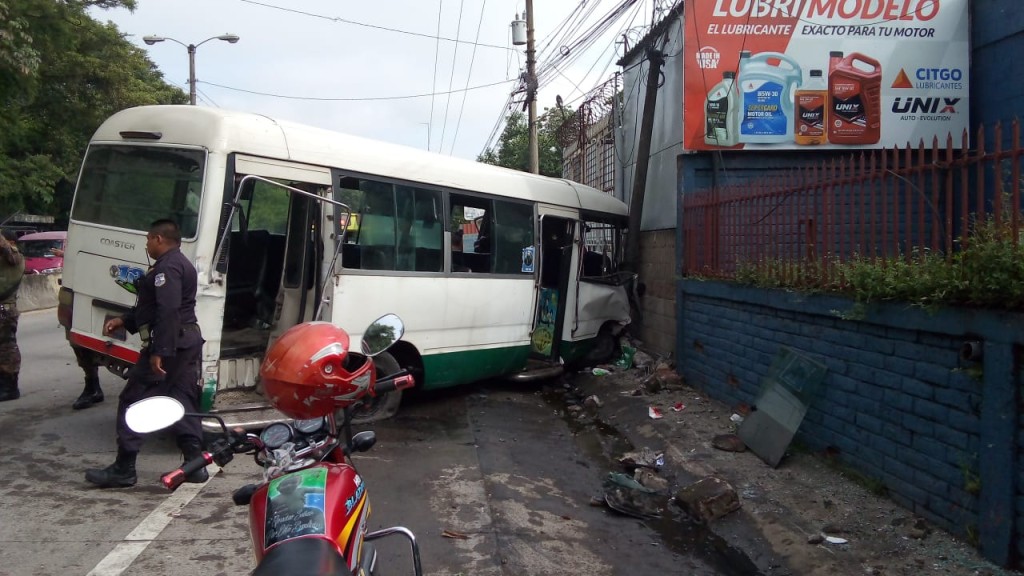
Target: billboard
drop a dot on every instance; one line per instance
(807, 74)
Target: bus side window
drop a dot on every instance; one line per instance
(377, 226)
(421, 230)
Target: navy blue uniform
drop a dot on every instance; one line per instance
(165, 317)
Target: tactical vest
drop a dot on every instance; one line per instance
(10, 277)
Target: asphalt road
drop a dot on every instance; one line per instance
(496, 464)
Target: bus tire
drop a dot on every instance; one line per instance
(606, 345)
(384, 406)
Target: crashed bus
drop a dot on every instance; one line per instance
(496, 273)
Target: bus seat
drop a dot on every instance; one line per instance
(378, 257)
(270, 283)
(428, 260)
(247, 260)
(350, 256)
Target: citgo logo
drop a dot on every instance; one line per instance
(902, 80)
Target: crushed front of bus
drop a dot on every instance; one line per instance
(122, 189)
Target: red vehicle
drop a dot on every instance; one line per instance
(309, 515)
(43, 251)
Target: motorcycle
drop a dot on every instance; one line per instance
(309, 514)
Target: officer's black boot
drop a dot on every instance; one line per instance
(91, 394)
(120, 474)
(192, 447)
(9, 386)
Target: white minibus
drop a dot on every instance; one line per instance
(496, 273)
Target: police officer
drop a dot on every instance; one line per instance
(12, 269)
(169, 363)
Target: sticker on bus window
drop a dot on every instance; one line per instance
(528, 259)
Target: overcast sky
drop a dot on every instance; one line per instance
(294, 56)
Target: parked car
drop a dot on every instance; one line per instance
(43, 251)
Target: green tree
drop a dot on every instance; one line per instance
(513, 147)
(61, 74)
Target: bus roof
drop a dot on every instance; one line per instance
(227, 131)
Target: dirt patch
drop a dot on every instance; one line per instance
(787, 513)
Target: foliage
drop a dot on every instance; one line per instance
(513, 147)
(987, 271)
(61, 74)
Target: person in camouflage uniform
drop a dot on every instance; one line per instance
(12, 269)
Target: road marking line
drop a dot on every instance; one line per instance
(122, 556)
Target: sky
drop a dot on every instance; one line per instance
(353, 65)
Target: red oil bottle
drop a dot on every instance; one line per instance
(855, 100)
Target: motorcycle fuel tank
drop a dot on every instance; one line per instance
(323, 501)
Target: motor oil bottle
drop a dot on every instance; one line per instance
(720, 112)
(766, 97)
(810, 117)
(855, 100)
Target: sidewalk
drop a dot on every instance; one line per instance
(784, 512)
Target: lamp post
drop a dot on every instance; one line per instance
(229, 38)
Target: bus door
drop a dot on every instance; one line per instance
(555, 268)
(270, 250)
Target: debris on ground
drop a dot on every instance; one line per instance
(627, 496)
(644, 458)
(729, 443)
(708, 498)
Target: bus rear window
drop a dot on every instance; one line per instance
(131, 186)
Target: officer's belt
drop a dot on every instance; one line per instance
(146, 335)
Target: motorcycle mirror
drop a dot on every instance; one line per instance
(381, 334)
(152, 414)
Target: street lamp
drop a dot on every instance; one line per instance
(229, 38)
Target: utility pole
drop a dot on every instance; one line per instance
(531, 89)
(655, 59)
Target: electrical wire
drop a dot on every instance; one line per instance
(469, 74)
(373, 26)
(369, 99)
(451, 78)
(433, 85)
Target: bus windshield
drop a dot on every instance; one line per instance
(129, 186)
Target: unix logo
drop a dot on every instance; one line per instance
(925, 105)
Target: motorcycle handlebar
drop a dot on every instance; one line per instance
(399, 381)
(175, 478)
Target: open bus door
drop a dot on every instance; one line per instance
(554, 272)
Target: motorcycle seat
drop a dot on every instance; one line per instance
(308, 556)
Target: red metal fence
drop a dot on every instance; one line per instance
(876, 204)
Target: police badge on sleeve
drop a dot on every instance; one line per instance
(159, 280)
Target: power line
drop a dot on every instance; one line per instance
(433, 83)
(369, 99)
(451, 78)
(373, 26)
(469, 74)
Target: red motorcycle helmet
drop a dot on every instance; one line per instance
(306, 372)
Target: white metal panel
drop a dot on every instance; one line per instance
(272, 168)
(441, 314)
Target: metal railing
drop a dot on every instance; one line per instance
(876, 204)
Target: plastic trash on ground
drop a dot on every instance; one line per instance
(625, 360)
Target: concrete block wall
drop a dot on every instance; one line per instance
(657, 328)
(944, 435)
(38, 291)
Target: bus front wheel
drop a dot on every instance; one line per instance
(383, 406)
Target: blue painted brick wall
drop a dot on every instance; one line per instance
(898, 403)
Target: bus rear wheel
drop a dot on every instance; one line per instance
(383, 406)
